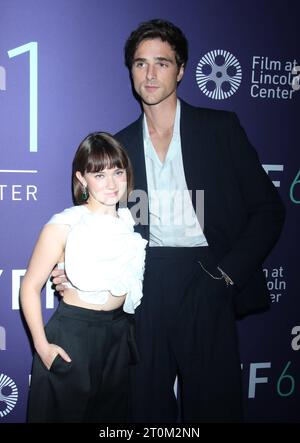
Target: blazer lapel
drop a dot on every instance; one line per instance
(140, 204)
(138, 158)
(193, 149)
(198, 161)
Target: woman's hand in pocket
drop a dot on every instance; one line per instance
(49, 352)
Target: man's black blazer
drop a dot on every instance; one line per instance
(243, 213)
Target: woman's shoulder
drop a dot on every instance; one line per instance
(69, 216)
(125, 215)
(127, 218)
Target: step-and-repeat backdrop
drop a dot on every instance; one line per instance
(62, 76)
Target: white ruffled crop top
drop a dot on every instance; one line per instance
(103, 255)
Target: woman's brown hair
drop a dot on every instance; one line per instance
(99, 150)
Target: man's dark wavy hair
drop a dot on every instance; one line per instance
(162, 29)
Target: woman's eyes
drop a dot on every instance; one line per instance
(118, 172)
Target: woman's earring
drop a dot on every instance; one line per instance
(84, 194)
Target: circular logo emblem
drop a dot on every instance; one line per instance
(218, 74)
(8, 395)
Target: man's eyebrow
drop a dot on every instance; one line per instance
(164, 59)
(160, 59)
(139, 59)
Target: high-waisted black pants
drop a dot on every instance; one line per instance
(94, 387)
(185, 326)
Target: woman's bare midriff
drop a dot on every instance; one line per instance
(71, 298)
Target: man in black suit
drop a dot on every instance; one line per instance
(212, 217)
(198, 279)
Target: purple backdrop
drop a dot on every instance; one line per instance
(79, 84)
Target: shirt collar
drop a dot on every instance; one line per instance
(149, 150)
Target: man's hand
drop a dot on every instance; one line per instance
(58, 278)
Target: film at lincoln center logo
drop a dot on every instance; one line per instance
(218, 74)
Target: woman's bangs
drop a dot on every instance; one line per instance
(99, 161)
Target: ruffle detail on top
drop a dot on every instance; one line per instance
(103, 254)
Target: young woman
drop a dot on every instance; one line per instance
(81, 364)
